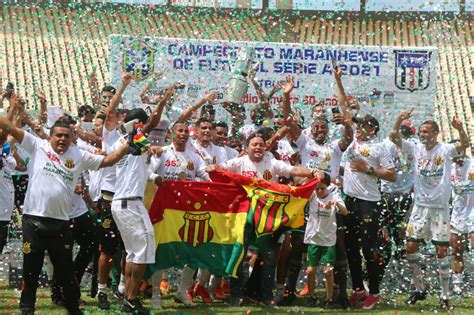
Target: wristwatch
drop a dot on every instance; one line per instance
(370, 171)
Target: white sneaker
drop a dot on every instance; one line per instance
(182, 297)
(156, 302)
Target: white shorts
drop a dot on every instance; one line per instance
(429, 222)
(136, 230)
(462, 221)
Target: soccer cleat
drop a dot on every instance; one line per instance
(370, 301)
(164, 287)
(304, 292)
(415, 297)
(357, 297)
(201, 291)
(219, 294)
(328, 304)
(102, 301)
(225, 287)
(444, 304)
(184, 297)
(311, 301)
(117, 295)
(134, 307)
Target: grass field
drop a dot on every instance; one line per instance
(390, 304)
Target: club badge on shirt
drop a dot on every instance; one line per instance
(365, 152)
(438, 160)
(471, 176)
(69, 164)
(26, 248)
(267, 175)
(323, 165)
(190, 166)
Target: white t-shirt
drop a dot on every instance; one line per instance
(231, 152)
(7, 190)
(268, 168)
(432, 177)
(53, 176)
(321, 227)
(361, 185)
(403, 161)
(212, 154)
(177, 165)
(463, 187)
(93, 178)
(108, 176)
(326, 158)
(132, 175)
(285, 150)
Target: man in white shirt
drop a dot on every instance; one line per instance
(462, 217)
(430, 213)
(221, 139)
(209, 152)
(261, 165)
(54, 169)
(367, 163)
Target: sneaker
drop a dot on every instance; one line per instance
(117, 295)
(357, 297)
(164, 287)
(156, 302)
(201, 291)
(102, 301)
(288, 300)
(371, 301)
(311, 301)
(304, 292)
(135, 307)
(235, 302)
(328, 304)
(444, 304)
(415, 297)
(184, 297)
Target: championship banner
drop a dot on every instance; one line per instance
(384, 80)
(201, 224)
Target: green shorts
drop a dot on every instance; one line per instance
(321, 255)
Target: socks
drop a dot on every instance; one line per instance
(414, 261)
(443, 270)
(186, 279)
(102, 288)
(458, 278)
(121, 286)
(203, 277)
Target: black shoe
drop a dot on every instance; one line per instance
(415, 297)
(75, 312)
(328, 304)
(102, 301)
(444, 304)
(288, 300)
(235, 302)
(311, 302)
(56, 293)
(117, 295)
(134, 307)
(343, 301)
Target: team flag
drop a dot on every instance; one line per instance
(201, 224)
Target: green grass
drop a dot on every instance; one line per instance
(390, 304)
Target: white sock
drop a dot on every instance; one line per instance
(214, 283)
(443, 270)
(49, 266)
(102, 288)
(186, 279)
(414, 261)
(121, 286)
(458, 278)
(203, 277)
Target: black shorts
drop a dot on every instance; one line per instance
(110, 240)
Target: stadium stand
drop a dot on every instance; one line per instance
(55, 48)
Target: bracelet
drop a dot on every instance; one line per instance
(370, 171)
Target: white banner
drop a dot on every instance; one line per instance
(322, 5)
(383, 79)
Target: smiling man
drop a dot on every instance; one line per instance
(54, 169)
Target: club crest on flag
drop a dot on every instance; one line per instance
(196, 229)
(139, 59)
(269, 210)
(412, 70)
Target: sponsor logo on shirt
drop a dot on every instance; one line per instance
(251, 174)
(53, 157)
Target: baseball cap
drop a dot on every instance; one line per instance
(368, 120)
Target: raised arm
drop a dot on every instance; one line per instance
(464, 139)
(395, 135)
(295, 130)
(155, 116)
(8, 126)
(111, 119)
(340, 89)
(188, 112)
(43, 115)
